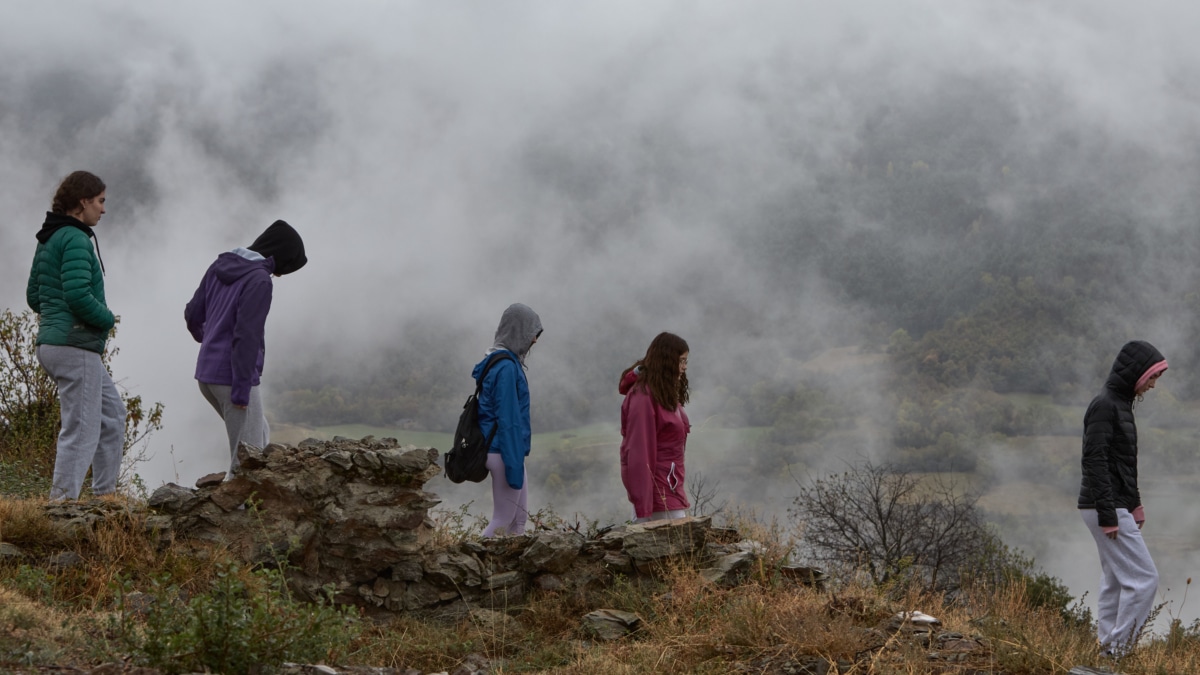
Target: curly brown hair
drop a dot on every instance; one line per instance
(76, 187)
(660, 371)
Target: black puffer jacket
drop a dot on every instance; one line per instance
(1110, 437)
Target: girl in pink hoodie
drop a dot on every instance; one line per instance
(654, 430)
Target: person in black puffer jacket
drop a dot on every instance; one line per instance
(1109, 500)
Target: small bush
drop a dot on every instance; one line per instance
(29, 412)
(454, 526)
(246, 623)
(895, 525)
(28, 405)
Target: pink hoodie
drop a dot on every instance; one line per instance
(653, 441)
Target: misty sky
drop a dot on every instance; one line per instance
(597, 161)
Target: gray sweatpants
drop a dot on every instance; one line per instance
(1128, 581)
(248, 426)
(93, 421)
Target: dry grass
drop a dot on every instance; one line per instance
(695, 627)
(765, 625)
(119, 547)
(692, 626)
(24, 523)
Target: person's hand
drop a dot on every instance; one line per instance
(1139, 515)
(239, 407)
(1111, 535)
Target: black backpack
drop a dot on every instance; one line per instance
(467, 459)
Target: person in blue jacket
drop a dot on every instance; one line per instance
(504, 407)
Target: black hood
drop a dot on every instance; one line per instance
(1134, 359)
(283, 243)
(57, 221)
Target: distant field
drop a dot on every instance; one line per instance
(702, 442)
(708, 448)
(1071, 413)
(431, 439)
(1035, 472)
(565, 440)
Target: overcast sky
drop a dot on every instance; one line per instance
(597, 161)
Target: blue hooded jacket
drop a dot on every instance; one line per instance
(504, 400)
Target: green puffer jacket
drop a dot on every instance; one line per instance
(66, 287)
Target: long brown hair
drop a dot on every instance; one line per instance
(660, 371)
(76, 187)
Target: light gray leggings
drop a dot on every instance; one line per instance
(93, 421)
(509, 511)
(248, 426)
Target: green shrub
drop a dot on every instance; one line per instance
(34, 583)
(246, 623)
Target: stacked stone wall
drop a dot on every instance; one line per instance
(353, 516)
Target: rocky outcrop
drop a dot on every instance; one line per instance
(338, 512)
(353, 516)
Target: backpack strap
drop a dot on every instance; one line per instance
(497, 356)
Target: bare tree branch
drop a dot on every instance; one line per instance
(891, 522)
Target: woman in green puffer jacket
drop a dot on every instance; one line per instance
(66, 291)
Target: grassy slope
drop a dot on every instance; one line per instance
(692, 628)
(54, 619)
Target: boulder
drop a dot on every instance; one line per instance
(172, 498)
(611, 624)
(552, 552)
(729, 569)
(661, 540)
(10, 552)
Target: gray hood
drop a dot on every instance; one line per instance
(519, 325)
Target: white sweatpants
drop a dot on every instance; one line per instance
(93, 421)
(1128, 581)
(674, 514)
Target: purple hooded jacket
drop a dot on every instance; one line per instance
(227, 316)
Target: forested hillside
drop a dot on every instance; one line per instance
(984, 236)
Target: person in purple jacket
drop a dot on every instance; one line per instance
(227, 315)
